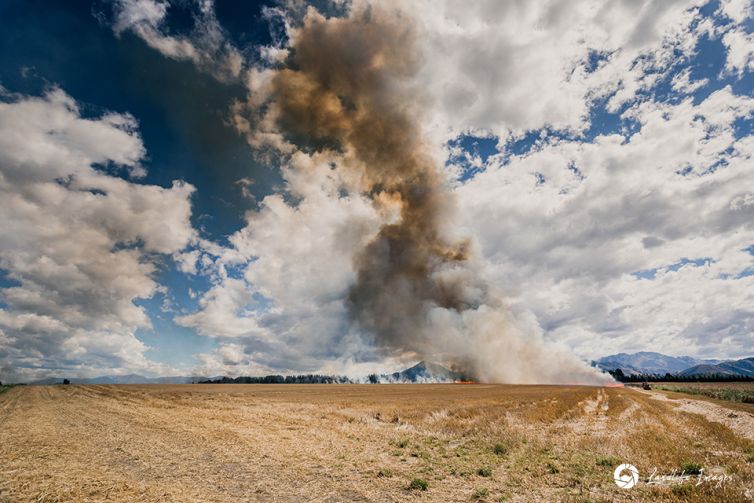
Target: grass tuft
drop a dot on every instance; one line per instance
(418, 484)
(499, 449)
(608, 461)
(681, 489)
(691, 468)
(480, 493)
(485, 471)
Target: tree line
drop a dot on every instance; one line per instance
(618, 375)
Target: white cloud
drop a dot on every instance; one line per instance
(737, 39)
(737, 10)
(518, 66)
(566, 248)
(229, 360)
(245, 184)
(740, 51)
(187, 261)
(296, 262)
(76, 240)
(683, 84)
(206, 46)
(226, 311)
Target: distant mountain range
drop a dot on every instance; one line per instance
(657, 363)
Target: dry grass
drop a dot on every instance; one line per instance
(355, 443)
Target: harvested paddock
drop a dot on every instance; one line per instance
(358, 443)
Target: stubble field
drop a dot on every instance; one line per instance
(365, 443)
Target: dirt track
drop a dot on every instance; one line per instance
(354, 443)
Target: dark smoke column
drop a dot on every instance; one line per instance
(341, 90)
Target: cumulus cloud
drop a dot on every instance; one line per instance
(76, 238)
(206, 46)
(510, 67)
(737, 39)
(740, 51)
(629, 242)
(736, 10)
(683, 83)
(295, 270)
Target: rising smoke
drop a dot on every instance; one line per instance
(346, 87)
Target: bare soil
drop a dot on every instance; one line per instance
(224, 443)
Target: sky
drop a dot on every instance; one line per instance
(156, 217)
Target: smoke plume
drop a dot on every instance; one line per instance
(346, 87)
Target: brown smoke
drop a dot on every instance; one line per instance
(346, 87)
(341, 90)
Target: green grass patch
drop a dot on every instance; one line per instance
(729, 394)
(499, 449)
(691, 468)
(485, 471)
(418, 485)
(480, 493)
(608, 461)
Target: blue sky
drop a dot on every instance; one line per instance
(182, 121)
(547, 132)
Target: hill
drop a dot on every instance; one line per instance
(743, 367)
(426, 372)
(647, 362)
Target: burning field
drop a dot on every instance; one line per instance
(366, 443)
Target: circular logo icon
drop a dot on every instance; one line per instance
(626, 476)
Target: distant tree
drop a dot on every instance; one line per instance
(667, 377)
(66, 381)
